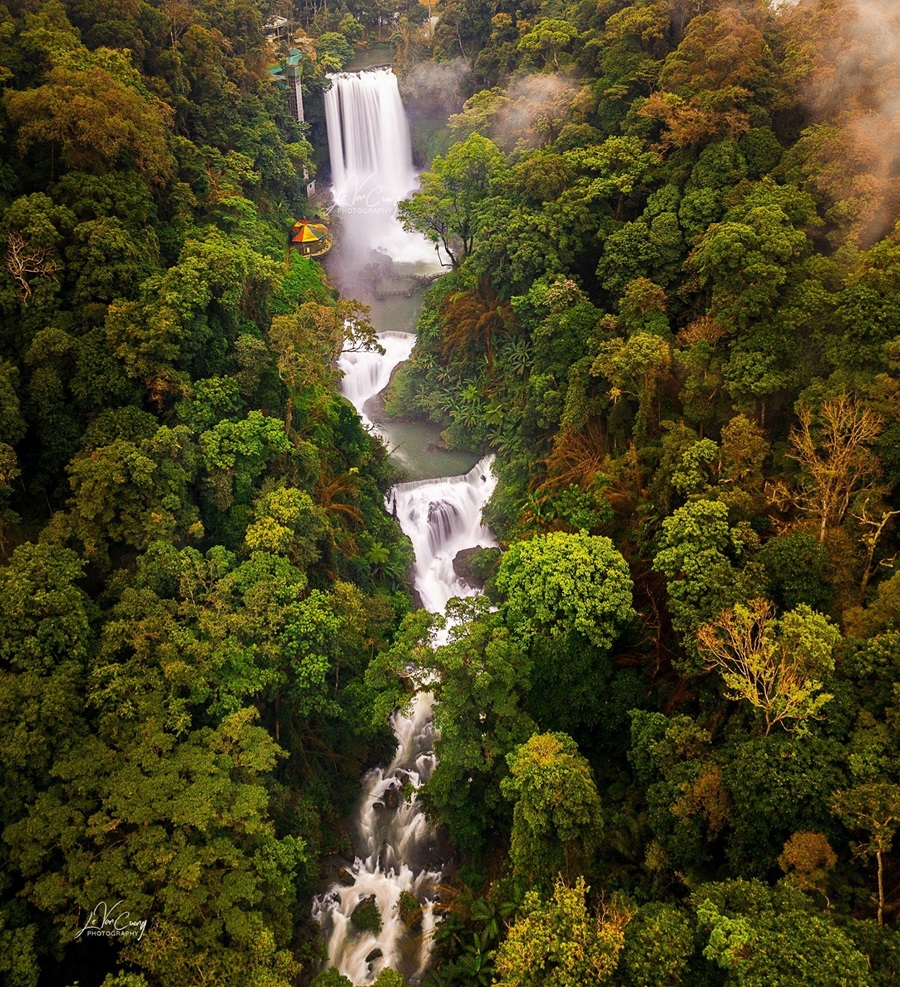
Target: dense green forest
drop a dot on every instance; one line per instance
(669, 729)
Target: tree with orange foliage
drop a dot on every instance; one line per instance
(473, 318)
(775, 664)
(708, 83)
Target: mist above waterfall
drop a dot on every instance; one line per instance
(436, 84)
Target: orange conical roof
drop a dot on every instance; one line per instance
(308, 232)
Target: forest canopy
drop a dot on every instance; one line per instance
(671, 309)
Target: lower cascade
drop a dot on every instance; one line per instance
(442, 517)
(367, 372)
(398, 853)
(398, 850)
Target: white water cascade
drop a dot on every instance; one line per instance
(366, 373)
(371, 164)
(442, 517)
(397, 850)
(368, 136)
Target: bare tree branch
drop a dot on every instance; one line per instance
(20, 261)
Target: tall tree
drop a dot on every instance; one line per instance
(557, 818)
(447, 203)
(776, 664)
(562, 942)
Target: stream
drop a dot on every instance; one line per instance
(398, 851)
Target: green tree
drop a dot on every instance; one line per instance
(700, 555)
(760, 936)
(797, 568)
(287, 522)
(447, 204)
(558, 583)
(873, 808)
(562, 942)
(178, 829)
(658, 945)
(688, 801)
(98, 112)
(706, 91)
(480, 679)
(330, 978)
(745, 263)
(557, 817)
(777, 664)
(333, 51)
(234, 454)
(309, 340)
(130, 494)
(12, 430)
(389, 978)
(636, 367)
(547, 38)
(779, 785)
(46, 636)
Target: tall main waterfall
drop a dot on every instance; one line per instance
(397, 850)
(368, 138)
(372, 164)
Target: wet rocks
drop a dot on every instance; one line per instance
(393, 799)
(474, 566)
(365, 916)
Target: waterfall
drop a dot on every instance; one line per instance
(371, 166)
(398, 852)
(368, 140)
(442, 517)
(367, 373)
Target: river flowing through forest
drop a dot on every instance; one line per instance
(398, 852)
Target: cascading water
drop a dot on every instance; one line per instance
(371, 165)
(366, 373)
(442, 517)
(398, 851)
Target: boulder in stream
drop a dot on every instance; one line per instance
(366, 916)
(475, 566)
(392, 798)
